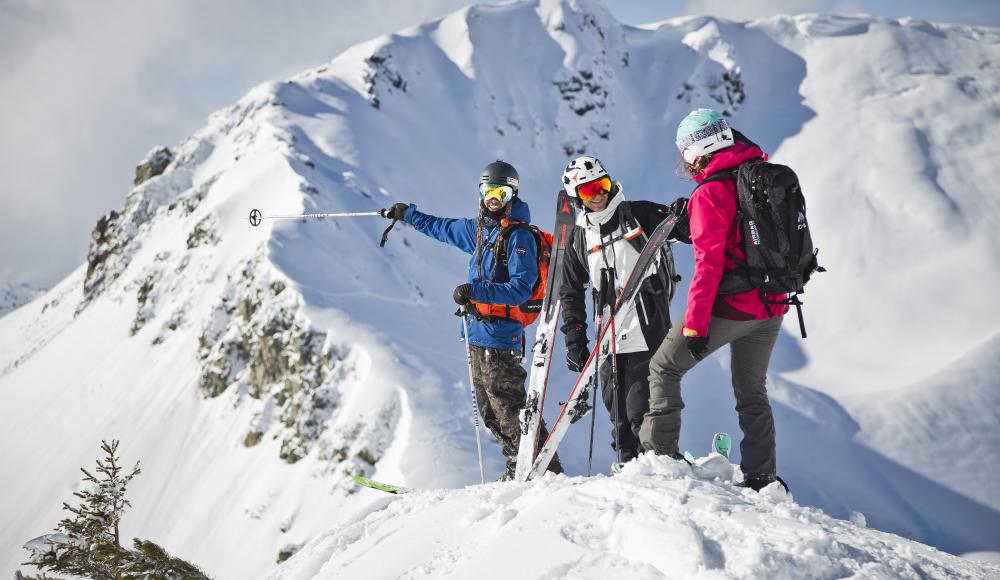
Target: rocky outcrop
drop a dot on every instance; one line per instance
(154, 164)
(725, 88)
(382, 76)
(259, 345)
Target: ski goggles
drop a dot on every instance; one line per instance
(502, 193)
(587, 191)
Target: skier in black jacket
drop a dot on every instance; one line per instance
(605, 244)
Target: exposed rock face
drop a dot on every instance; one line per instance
(380, 67)
(113, 239)
(724, 88)
(154, 164)
(104, 242)
(259, 343)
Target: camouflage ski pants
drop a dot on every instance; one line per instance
(499, 380)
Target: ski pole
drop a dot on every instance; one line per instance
(614, 388)
(597, 376)
(475, 400)
(256, 218)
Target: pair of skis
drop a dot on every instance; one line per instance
(577, 404)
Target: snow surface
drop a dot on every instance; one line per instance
(657, 519)
(886, 414)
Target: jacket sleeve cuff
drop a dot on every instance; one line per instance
(477, 292)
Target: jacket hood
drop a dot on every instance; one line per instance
(589, 218)
(730, 157)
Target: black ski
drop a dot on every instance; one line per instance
(541, 361)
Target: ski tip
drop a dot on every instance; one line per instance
(722, 444)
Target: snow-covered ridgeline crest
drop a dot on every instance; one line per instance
(251, 369)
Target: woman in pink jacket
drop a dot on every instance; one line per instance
(710, 152)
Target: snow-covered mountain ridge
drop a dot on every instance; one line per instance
(252, 369)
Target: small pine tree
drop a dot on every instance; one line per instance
(148, 560)
(99, 514)
(88, 542)
(93, 523)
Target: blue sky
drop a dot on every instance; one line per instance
(89, 87)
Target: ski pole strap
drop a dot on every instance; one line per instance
(385, 234)
(466, 311)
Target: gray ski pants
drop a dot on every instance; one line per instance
(750, 343)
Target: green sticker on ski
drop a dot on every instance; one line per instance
(394, 489)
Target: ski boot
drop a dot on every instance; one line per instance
(758, 481)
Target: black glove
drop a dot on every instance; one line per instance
(698, 345)
(577, 354)
(396, 212)
(682, 229)
(577, 351)
(463, 294)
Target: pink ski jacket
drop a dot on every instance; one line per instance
(717, 240)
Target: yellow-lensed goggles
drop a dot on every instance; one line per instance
(503, 193)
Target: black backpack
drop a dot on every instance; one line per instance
(780, 257)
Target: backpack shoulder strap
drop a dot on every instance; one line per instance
(500, 254)
(729, 174)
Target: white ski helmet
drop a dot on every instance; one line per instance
(582, 170)
(702, 132)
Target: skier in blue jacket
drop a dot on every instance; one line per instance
(492, 294)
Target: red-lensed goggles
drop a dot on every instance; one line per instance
(587, 191)
(503, 193)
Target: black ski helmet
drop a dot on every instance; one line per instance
(500, 172)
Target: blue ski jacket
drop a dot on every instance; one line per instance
(522, 268)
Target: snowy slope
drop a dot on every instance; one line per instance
(252, 369)
(655, 520)
(14, 296)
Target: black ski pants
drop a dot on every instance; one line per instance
(750, 344)
(631, 385)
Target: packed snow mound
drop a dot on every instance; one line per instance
(658, 518)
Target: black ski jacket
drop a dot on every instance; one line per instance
(576, 275)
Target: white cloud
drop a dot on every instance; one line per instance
(89, 87)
